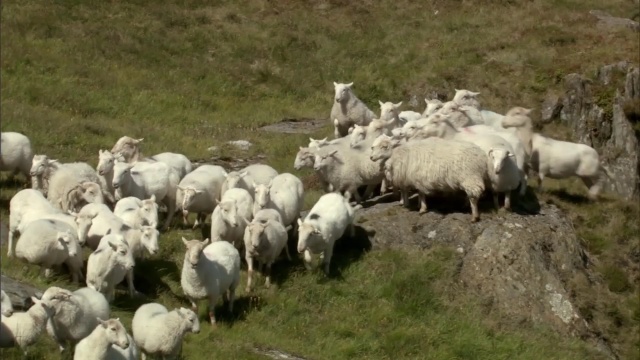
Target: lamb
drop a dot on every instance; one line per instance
(109, 265)
(142, 180)
(348, 110)
(210, 270)
(158, 332)
(49, 243)
(433, 105)
(129, 149)
(285, 193)
(76, 313)
(136, 213)
(16, 154)
(231, 216)
(554, 158)
(264, 241)
(24, 328)
(434, 164)
(245, 178)
(96, 345)
(326, 222)
(6, 307)
(199, 192)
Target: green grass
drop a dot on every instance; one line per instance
(77, 75)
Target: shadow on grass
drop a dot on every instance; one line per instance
(242, 306)
(570, 198)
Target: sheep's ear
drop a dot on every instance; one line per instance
(528, 111)
(113, 246)
(35, 300)
(185, 241)
(490, 152)
(180, 188)
(206, 241)
(270, 184)
(244, 173)
(380, 102)
(350, 130)
(254, 184)
(153, 197)
(325, 139)
(53, 161)
(299, 222)
(510, 154)
(138, 140)
(333, 152)
(311, 139)
(199, 191)
(102, 322)
(335, 83)
(456, 90)
(426, 101)
(397, 105)
(474, 93)
(301, 148)
(349, 84)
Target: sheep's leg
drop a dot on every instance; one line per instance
(383, 187)
(356, 195)
(132, 289)
(423, 202)
(307, 259)
(185, 220)
(212, 304)
(523, 184)
(286, 250)
(326, 261)
(474, 209)
(369, 190)
(11, 250)
(231, 298)
(593, 185)
(507, 200)
(249, 273)
(47, 272)
(540, 179)
(171, 209)
(405, 198)
(267, 275)
(496, 202)
(352, 230)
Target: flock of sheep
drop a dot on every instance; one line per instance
(114, 210)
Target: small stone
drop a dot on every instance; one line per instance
(241, 144)
(460, 250)
(431, 234)
(550, 109)
(213, 149)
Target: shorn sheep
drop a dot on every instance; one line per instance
(96, 346)
(159, 332)
(554, 158)
(348, 110)
(231, 216)
(109, 265)
(23, 329)
(136, 213)
(432, 165)
(264, 242)
(245, 178)
(6, 307)
(16, 154)
(199, 192)
(285, 193)
(210, 270)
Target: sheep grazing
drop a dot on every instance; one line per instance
(109, 265)
(50, 243)
(231, 216)
(16, 154)
(554, 158)
(96, 345)
(142, 180)
(6, 307)
(199, 192)
(348, 110)
(285, 193)
(136, 213)
(326, 222)
(432, 106)
(264, 241)
(129, 149)
(245, 178)
(158, 332)
(432, 165)
(76, 313)
(22, 329)
(210, 270)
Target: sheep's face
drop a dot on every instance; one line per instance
(229, 212)
(190, 319)
(410, 129)
(115, 332)
(149, 212)
(466, 97)
(317, 143)
(92, 193)
(121, 172)
(106, 161)
(304, 158)
(254, 233)
(194, 249)
(123, 254)
(342, 92)
(127, 147)
(358, 134)
(389, 110)
(261, 196)
(67, 241)
(517, 117)
(84, 223)
(39, 164)
(381, 148)
(55, 295)
(149, 239)
(188, 195)
(308, 235)
(232, 179)
(497, 157)
(323, 161)
(5, 305)
(43, 307)
(433, 106)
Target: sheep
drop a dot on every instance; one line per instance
(434, 164)
(209, 270)
(432, 106)
(49, 243)
(106, 162)
(16, 154)
(503, 174)
(377, 127)
(245, 178)
(285, 193)
(158, 332)
(24, 328)
(42, 168)
(109, 333)
(76, 313)
(6, 307)
(264, 241)
(29, 205)
(348, 110)
(136, 213)
(109, 264)
(142, 180)
(466, 98)
(325, 223)
(129, 149)
(408, 115)
(391, 111)
(70, 189)
(199, 192)
(265, 215)
(461, 115)
(230, 217)
(554, 158)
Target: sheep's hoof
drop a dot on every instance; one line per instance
(422, 211)
(475, 219)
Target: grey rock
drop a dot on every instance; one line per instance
(19, 292)
(241, 144)
(550, 110)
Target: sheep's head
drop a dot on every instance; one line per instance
(307, 235)
(433, 105)
(40, 163)
(149, 211)
(188, 194)
(149, 238)
(127, 146)
(121, 172)
(253, 233)
(389, 110)
(304, 158)
(229, 212)
(262, 197)
(190, 318)
(92, 193)
(194, 249)
(106, 161)
(43, 308)
(115, 332)
(67, 240)
(317, 143)
(84, 221)
(121, 249)
(56, 295)
(466, 97)
(497, 157)
(232, 179)
(517, 117)
(449, 107)
(342, 92)
(358, 134)
(5, 304)
(382, 147)
(324, 160)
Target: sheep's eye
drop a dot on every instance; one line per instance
(123, 252)
(113, 329)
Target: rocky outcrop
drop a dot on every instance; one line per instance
(19, 292)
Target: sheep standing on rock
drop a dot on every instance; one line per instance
(129, 149)
(16, 154)
(285, 193)
(109, 265)
(264, 241)
(109, 333)
(348, 110)
(326, 222)
(503, 173)
(231, 216)
(210, 270)
(22, 329)
(6, 307)
(199, 192)
(159, 332)
(136, 213)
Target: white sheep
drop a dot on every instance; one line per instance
(230, 217)
(348, 110)
(76, 313)
(109, 264)
(432, 106)
(209, 271)
(23, 329)
(199, 192)
(432, 165)
(264, 242)
(265, 215)
(6, 307)
(16, 154)
(285, 193)
(391, 111)
(554, 158)
(467, 98)
(377, 127)
(136, 213)
(50, 243)
(70, 189)
(109, 333)
(106, 162)
(245, 178)
(503, 174)
(129, 149)
(461, 115)
(41, 170)
(326, 222)
(158, 332)
(142, 180)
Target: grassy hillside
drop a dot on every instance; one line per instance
(188, 75)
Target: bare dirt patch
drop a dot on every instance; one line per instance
(296, 126)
